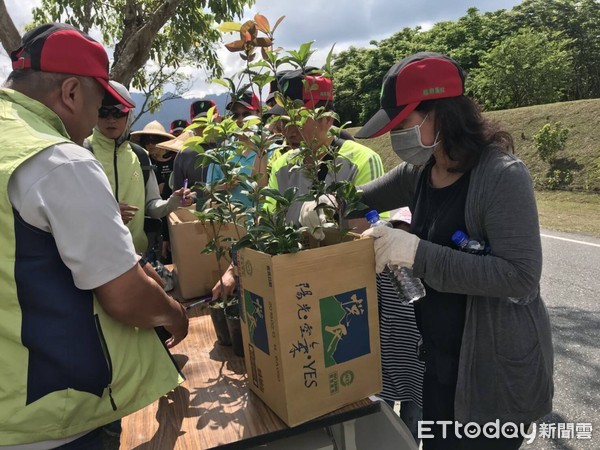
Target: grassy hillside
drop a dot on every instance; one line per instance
(581, 154)
(575, 209)
(573, 212)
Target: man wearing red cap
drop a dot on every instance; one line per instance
(244, 105)
(199, 108)
(177, 126)
(359, 164)
(77, 317)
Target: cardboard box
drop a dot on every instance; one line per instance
(195, 272)
(311, 328)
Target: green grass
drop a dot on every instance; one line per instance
(577, 207)
(573, 212)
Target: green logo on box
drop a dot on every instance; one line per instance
(334, 385)
(347, 378)
(248, 268)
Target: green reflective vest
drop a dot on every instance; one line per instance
(124, 172)
(66, 367)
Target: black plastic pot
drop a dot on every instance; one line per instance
(217, 314)
(232, 314)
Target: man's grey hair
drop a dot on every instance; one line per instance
(37, 84)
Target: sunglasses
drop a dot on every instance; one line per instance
(105, 111)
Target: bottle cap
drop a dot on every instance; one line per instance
(460, 237)
(372, 216)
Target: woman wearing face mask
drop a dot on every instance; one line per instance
(487, 344)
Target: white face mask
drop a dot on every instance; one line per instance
(408, 146)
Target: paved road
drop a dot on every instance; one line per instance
(571, 290)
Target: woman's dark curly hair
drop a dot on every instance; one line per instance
(463, 131)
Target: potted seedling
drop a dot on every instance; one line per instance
(309, 308)
(232, 196)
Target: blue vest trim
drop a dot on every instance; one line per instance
(58, 326)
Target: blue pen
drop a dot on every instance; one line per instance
(185, 184)
(205, 299)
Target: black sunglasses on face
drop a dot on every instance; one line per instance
(106, 111)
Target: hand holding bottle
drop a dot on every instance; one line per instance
(408, 287)
(393, 247)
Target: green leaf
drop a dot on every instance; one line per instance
(305, 50)
(229, 27)
(220, 81)
(327, 67)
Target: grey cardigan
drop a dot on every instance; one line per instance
(506, 359)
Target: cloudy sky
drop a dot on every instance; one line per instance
(343, 22)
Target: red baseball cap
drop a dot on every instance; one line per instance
(297, 85)
(62, 48)
(178, 125)
(417, 78)
(247, 99)
(199, 108)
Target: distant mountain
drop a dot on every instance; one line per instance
(176, 108)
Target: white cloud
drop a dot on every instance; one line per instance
(20, 11)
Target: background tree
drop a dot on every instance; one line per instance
(525, 69)
(152, 82)
(167, 32)
(578, 21)
(347, 84)
(550, 140)
(559, 38)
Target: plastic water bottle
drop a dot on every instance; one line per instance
(465, 244)
(462, 241)
(409, 288)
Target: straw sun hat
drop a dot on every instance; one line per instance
(176, 145)
(154, 128)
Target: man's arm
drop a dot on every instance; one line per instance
(90, 235)
(137, 300)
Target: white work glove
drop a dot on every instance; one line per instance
(392, 247)
(313, 219)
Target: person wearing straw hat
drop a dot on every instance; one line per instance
(128, 168)
(157, 230)
(173, 147)
(185, 167)
(78, 347)
(149, 137)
